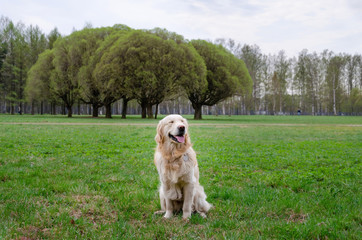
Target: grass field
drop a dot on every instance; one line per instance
(268, 178)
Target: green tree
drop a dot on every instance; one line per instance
(144, 64)
(90, 40)
(3, 53)
(97, 88)
(352, 67)
(38, 80)
(14, 66)
(352, 63)
(308, 78)
(67, 62)
(334, 80)
(254, 61)
(37, 43)
(282, 72)
(355, 99)
(72, 77)
(226, 75)
(190, 68)
(52, 37)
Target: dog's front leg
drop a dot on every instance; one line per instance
(168, 202)
(169, 208)
(188, 198)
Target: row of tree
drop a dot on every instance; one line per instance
(100, 66)
(19, 50)
(316, 84)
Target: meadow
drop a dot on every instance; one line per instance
(268, 177)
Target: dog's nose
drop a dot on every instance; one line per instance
(181, 128)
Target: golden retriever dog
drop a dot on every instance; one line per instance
(178, 170)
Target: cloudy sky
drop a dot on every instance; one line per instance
(290, 25)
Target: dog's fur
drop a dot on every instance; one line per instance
(178, 170)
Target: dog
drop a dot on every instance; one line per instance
(178, 171)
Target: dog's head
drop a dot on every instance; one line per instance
(173, 129)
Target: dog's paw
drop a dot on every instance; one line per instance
(168, 214)
(186, 215)
(186, 220)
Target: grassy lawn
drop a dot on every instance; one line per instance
(270, 177)
(132, 119)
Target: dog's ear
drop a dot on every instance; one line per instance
(187, 139)
(159, 136)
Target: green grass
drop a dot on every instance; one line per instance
(297, 180)
(314, 120)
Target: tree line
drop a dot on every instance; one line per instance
(323, 83)
(119, 69)
(99, 66)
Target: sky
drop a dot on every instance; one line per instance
(273, 25)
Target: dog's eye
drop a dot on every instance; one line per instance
(171, 121)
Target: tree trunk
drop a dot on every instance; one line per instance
(156, 111)
(25, 107)
(143, 111)
(32, 107)
(69, 108)
(149, 111)
(124, 107)
(334, 97)
(41, 107)
(12, 108)
(109, 110)
(198, 111)
(95, 110)
(334, 103)
(54, 110)
(274, 104)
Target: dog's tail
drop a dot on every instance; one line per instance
(200, 204)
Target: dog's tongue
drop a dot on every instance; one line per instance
(180, 139)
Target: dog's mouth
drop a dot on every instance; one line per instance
(177, 138)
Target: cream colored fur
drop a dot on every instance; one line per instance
(178, 171)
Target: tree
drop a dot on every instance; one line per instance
(3, 54)
(352, 67)
(145, 65)
(37, 44)
(72, 77)
(254, 61)
(52, 37)
(355, 100)
(91, 88)
(190, 71)
(14, 66)
(67, 62)
(275, 88)
(334, 77)
(308, 76)
(108, 70)
(352, 63)
(282, 72)
(226, 75)
(38, 80)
